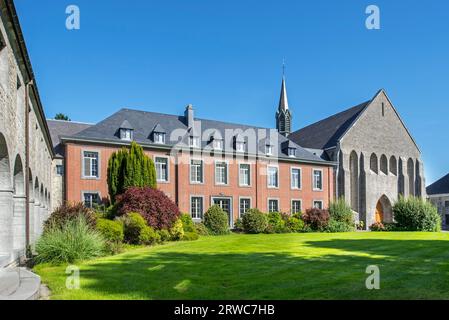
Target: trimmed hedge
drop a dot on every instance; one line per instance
(216, 220)
(415, 214)
(255, 221)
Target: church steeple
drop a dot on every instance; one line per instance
(283, 115)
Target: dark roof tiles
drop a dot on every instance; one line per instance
(439, 187)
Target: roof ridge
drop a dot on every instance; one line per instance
(70, 121)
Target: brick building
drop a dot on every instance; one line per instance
(201, 162)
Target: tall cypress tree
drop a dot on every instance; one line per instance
(130, 168)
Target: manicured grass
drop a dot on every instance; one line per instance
(285, 266)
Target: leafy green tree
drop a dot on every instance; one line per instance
(61, 116)
(130, 168)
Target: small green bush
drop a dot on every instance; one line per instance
(190, 236)
(149, 237)
(133, 223)
(341, 216)
(187, 223)
(294, 224)
(165, 235)
(276, 223)
(111, 230)
(176, 231)
(338, 226)
(201, 229)
(238, 225)
(415, 214)
(255, 221)
(216, 220)
(72, 241)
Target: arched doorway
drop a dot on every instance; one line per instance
(384, 212)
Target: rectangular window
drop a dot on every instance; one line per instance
(159, 137)
(90, 199)
(296, 206)
(221, 172)
(194, 142)
(60, 170)
(317, 180)
(218, 144)
(244, 174)
(273, 177)
(161, 165)
(196, 171)
(292, 152)
(196, 207)
(240, 146)
(269, 150)
(273, 205)
(296, 178)
(318, 204)
(126, 134)
(446, 204)
(245, 205)
(90, 164)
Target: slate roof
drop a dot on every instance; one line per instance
(60, 128)
(439, 187)
(327, 132)
(143, 123)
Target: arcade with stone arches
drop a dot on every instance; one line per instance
(376, 181)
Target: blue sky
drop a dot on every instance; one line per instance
(225, 58)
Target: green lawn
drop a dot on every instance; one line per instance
(284, 266)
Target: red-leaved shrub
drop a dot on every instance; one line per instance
(316, 219)
(155, 207)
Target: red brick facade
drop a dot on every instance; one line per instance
(180, 189)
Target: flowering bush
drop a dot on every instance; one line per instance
(377, 226)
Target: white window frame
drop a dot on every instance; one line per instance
(269, 149)
(202, 171)
(202, 204)
(57, 167)
(249, 174)
(268, 177)
(159, 137)
(124, 134)
(268, 204)
(240, 146)
(218, 144)
(168, 168)
(84, 192)
(227, 172)
(300, 178)
(320, 201)
(250, 204)
(294, 152)
(313, 179)
(194, 142)
(83, 176)
(291, 205)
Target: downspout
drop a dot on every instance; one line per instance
(337, 171)
(27, 163)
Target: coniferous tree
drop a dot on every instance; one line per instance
(130, 168)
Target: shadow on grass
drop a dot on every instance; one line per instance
(409, 269)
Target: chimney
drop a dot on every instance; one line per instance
(188, 114)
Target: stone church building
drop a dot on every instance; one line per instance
(378, 159)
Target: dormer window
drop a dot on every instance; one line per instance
(126, 134)
(159, 137)
(218, 144)
(240, 146)
(194, 142)
(292, 152)
(126, 131)
(269, 150)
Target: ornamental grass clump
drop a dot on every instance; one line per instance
(72, 241)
